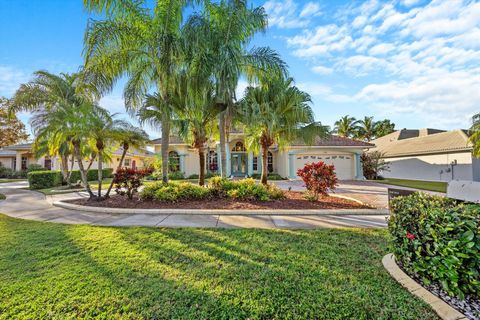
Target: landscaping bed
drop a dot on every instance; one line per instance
(61, 271)
(292, 200)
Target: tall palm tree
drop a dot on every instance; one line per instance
(47, 91)
(346, 126)
(366, 129)
(278, 112)
(475, 135)
(128, 136)
(138, 42)
(222, 33)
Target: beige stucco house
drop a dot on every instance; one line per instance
(344, 153)
(428, 154)
(20, 156)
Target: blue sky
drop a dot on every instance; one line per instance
(416, 62)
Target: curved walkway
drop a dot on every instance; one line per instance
(31, 205)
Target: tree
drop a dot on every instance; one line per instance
(383, 128)
(11, 128)
(141, 43)
(222, 34)
(277, 112)
(47, 91)
(475, 135)
(366, 129)
(346, 126)
(373, 164)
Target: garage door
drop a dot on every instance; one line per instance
(343, 163)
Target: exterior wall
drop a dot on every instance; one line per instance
(6, 162)
(429, 167)
(476, 168)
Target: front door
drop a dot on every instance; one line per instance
(239, 164)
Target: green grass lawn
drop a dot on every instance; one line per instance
(418, 184)
(65, 271)
(64, 189)
(2, 196)
(11, 180)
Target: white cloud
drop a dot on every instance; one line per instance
(409, 3)
(113, 103)
(381, 49)
(10, 80)
(322, 70)
(310, 9)
(287, 14)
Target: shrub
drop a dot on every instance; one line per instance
(438, 240)
(35, 167)
(176, 175)
(173, 192)
(318, 178)
(270, 176)
(44, 179)
(193, 176)
(373, 164)
(128, 180)
(92, 174)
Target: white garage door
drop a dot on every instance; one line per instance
(344, 164)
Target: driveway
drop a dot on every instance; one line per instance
(31, 205)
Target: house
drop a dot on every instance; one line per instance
(428, 154)
(19, 157)
(344, 153)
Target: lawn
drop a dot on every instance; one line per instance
(11, 180)
(418, 184)
(63, 189)
(65, 271)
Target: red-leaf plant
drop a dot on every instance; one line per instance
(128, 180)
(319, 178)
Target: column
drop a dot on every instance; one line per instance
(18, 166)
(250, 163)
(229, 161)
(291, 166)
(219, 160)
(182, 163)
(358, 167)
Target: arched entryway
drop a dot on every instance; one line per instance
(238, 159)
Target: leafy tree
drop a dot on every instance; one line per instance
(475, 135)
(384, 127)
(366, 129)
(142, 43)
(11, 128)
(346, 127)
(373, 164)
(277, 112)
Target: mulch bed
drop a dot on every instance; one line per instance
(294, 200)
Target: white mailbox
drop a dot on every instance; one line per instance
(464, 190)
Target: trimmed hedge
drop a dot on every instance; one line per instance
(270, 176)
(438, 240)
(92, 175)
(44, 179)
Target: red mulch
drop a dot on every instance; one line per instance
(294, 200)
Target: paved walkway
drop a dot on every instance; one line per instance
(31, 205)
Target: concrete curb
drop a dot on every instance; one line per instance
(77, 207)
(443, 309)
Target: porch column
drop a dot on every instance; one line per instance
(250, 163)
(18, 165)
(291, 166)
(219, 160)
(229, 161)
(182, 162)
(358, 167)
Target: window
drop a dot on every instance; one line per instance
(126, 163)
(270, 162)
(255, 163)
(173, 161)
(239, 147)
(212, 160)
(24, 163)
(47, 164)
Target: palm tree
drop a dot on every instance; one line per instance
(129, 137)
(475, 135)
(222, 34)
(278, 112)
(47, 91)
(346, 126)
(141, 43)
(366, 129)
(383, 128)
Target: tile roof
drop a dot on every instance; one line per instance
(7, 153)
(173, 140)
(428, 143)
(335, 141)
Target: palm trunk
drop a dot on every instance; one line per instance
(100, 173)
(223, 151)
(124, 153)
(264, 178)
(201, 156)
(164, 147)
(64, 167)
(69, 177)
(83, 174)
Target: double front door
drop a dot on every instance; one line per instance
(239, 163)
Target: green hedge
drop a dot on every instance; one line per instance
(270, 176)
(92, 174)
(438, 239)
(44, 179)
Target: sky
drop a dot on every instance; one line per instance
(416, 62)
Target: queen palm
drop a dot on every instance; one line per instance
(142, 44)
(277, 112)
(222, 34)
(346, 126)
(47, 91)
(366, 129)
(475, 135)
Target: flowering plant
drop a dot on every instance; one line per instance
(318, 178)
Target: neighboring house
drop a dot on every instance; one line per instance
(19, 157)
(428, 154)
(344, 153)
